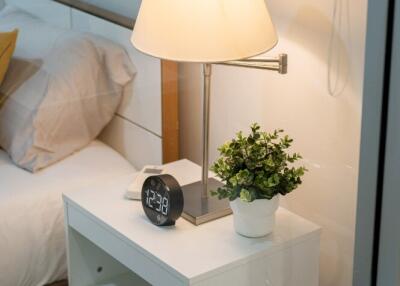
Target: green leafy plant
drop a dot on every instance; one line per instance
(257, 166)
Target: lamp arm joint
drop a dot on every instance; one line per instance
(279, 64)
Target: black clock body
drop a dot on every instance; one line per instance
(162, 199)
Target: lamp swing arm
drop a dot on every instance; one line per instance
(278, 64)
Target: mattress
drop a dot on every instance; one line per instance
(32, 242)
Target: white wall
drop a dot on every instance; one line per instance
(326, 129)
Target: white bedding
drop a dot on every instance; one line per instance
(32, 243)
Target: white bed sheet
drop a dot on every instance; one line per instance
(32, 242)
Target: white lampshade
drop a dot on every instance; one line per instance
(205, 31)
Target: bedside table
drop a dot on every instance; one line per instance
(111, 242)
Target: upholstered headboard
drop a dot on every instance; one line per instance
(145, 129)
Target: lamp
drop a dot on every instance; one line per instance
(208, 32)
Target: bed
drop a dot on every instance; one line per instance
(32, 241)
(143, 131)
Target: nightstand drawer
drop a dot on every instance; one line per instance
(121, 250)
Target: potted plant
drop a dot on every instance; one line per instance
(256, 169)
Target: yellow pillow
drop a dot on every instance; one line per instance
(7, 47)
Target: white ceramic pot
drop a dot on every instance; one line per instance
(255, 219)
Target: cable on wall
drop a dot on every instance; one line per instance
(337, 74)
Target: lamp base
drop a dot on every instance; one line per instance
(198, 210)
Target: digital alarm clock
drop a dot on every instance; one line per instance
(162, 199)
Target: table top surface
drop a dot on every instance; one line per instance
(187, 250)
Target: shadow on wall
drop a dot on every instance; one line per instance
(307, 33)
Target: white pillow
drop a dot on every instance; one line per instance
(63, 87)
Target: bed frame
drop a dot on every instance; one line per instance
(145, 129)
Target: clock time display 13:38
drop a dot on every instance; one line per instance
(162, 199)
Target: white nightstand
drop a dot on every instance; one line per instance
(111, 242)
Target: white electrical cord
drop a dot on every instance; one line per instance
(335, 87)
